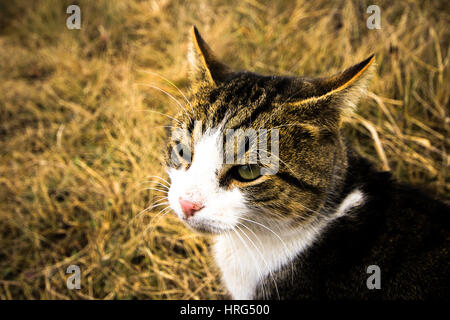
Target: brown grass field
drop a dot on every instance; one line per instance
(81, 125)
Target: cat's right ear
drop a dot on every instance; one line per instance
(205, 69)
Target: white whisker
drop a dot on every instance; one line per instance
(172, 84)
(160, 178)
(162, 213)
(164, 191)
(273, 232)
(169, 95)
(261, 255)
(249, 251)
(164, 114)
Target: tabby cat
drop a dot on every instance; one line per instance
(317, 221)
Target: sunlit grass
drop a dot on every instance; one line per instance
(79, 139)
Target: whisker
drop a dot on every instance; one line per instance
(249, 251)
(168, 94)
(158, 183)
(154, 181)
(163, 114)
(171, 83)
(168, 127)
(162, 213)
(161, 197)
(287, 125)
(164, 191)
(150, 208)
(159, 178)
(233, 244)
(279, 238)
(262, 257)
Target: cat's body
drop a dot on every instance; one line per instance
(393, 226)
(309, 224)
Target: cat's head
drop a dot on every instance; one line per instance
(257, 150)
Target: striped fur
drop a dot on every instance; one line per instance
(274, 217)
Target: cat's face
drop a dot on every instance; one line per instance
(251, 151)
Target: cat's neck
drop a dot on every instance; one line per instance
(246, 258)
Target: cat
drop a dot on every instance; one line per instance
(316, 222)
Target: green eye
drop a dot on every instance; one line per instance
(249, 172)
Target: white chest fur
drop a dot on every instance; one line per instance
(246, 257)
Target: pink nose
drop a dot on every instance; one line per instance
(189, 208)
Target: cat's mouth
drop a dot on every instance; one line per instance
(206, 227)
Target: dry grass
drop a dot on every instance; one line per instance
(78, 138)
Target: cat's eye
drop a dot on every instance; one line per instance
(248, 172)
(183, 151)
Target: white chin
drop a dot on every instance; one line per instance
(207, 227)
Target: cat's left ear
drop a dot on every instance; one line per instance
(342, 90)
(206, 69)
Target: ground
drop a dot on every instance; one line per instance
(82, 130)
